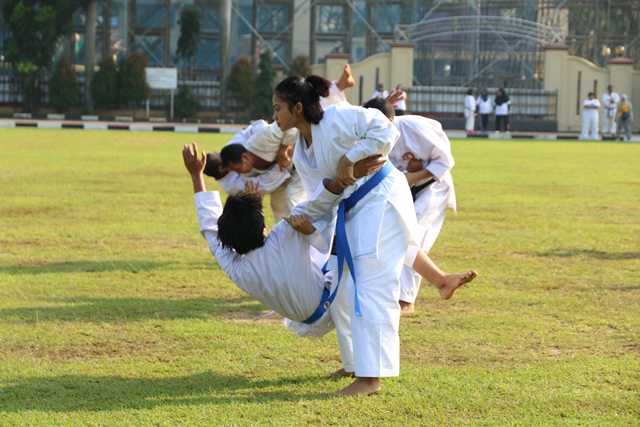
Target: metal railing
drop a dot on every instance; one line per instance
(433, 100)
(449, 101)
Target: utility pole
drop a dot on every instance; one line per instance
(225, 42)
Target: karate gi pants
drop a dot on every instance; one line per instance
(287, 196)
(370, 345)
(609, 120)
(432, 219)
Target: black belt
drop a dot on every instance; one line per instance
(418, 188)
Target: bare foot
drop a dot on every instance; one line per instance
(346, 79)
(452, 282)
(362, 386)
(406, 307)
(342, 373)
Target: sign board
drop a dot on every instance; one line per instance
(162, 78)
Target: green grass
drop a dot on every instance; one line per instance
(113, 312)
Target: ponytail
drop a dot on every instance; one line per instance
(307, 91)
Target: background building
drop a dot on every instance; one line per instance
(458, 42)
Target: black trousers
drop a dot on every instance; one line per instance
(502, 120)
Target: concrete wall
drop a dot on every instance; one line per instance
(575, 77)
(572, 77)
(389, 68)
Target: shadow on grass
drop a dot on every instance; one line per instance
(130, 309)
(567, 253)
(89, 267)
(69, 393)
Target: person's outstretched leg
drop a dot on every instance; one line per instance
(446, 283)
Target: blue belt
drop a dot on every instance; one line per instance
(344, 253)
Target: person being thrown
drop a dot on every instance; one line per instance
(279, 269)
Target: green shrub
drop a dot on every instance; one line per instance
(240, 81)
(300, 66)
(185, 104)
(105, 86)
(134, 80)
(264, 87)
(63, 87)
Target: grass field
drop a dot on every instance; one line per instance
(114, 313)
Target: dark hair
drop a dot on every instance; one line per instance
(232, 153)
(591, 94)
(470, 92)
(241, 225)
(306, 91)
(212, 167)
(382, 105)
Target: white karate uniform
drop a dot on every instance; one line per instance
(265, 143)
(281, 274)
(335, 96)
(610, 112)
(469, 112)
(590, 119)
(424, 139)
(378, 230)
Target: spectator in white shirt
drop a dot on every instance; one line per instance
(470, 111)
(502, 105)
(485, 107)
(380, 92)
(400, 106)
(590, 117)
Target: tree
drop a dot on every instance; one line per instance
(264, 86)
(240, 81)
(189, 35)
(300, 66)
(134, 87)
(63, 87)
(36, 27)
(105, 87)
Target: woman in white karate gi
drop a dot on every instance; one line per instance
(378, 227)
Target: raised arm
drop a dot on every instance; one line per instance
(195, 165)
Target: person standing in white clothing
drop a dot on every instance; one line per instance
(485, 107)
(610, 101)
(400, 105)
(380, 92)
(423, 154)
(470, 111)
(590, 117)
(502, 107)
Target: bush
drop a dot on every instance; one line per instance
(300, 66)
(264, 87)
(134, 80)
(105, 87)
(63, 87)
(185, 104)
(240, 81)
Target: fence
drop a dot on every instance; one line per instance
(207, 93)
(449, 101)
(532, 104)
